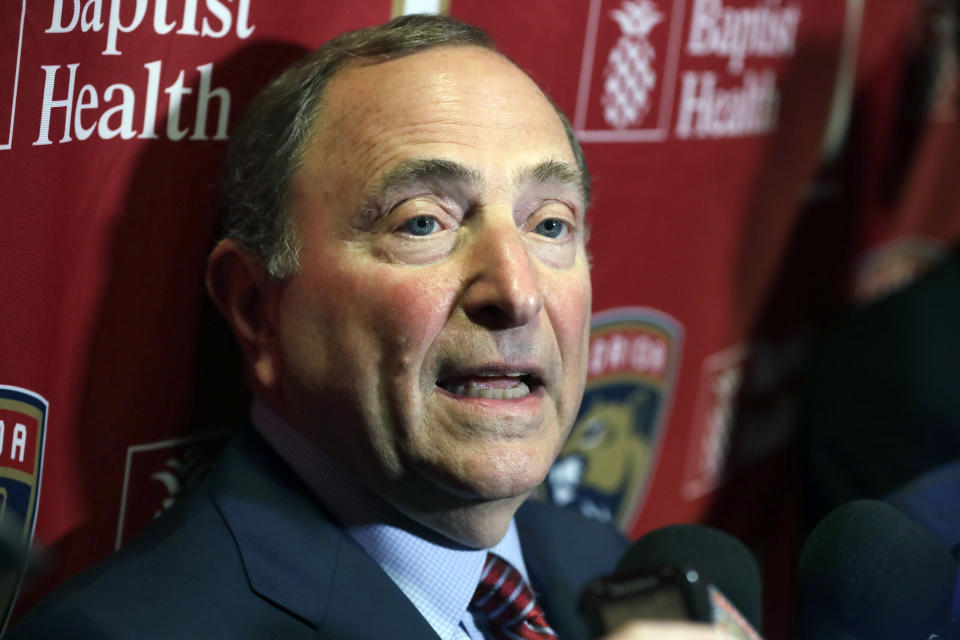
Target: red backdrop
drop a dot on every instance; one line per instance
(720, 236)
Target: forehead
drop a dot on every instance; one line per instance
(462, 103)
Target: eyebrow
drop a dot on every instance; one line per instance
(554, 171)
(423, 171)
(437, 171)
(417, 171)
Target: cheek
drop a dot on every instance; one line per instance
(392, 312)
(408, 315)
(569, 304)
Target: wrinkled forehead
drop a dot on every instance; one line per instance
(432, 102)
(432, 80)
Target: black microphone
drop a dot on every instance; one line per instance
(869, 572)
(688, 572)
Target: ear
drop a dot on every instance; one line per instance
(247, 298)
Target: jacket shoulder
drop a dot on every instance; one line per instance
(182, 578)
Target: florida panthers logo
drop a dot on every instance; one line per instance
(23, 422)
(603, 468)
(629, 77)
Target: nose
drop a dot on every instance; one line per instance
(504, 290)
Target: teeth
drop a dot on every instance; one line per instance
(471, 391)
(500, 375)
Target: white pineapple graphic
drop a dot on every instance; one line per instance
(629, 77)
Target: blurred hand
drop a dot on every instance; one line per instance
(665, 630)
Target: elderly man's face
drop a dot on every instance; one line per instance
(436, 334)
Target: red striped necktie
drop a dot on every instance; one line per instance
(508, 603)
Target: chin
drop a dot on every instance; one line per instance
(508, 475)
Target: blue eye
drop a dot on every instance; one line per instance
(551, 227)
(420, 226)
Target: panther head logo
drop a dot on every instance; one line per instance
(602, 458)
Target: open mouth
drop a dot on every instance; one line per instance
(493, 386)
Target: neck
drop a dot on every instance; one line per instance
(476, 526)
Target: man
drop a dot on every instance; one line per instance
(404, 265)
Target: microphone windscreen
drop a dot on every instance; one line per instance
(869, 571)
(720, 558)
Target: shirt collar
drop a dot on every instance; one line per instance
(438, 578)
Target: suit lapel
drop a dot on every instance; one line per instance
(552, 562)
(558, 599)
(297, 557)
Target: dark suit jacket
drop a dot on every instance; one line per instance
(253, 555)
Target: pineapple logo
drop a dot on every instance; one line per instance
(629, 77)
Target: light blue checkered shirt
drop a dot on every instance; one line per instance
(439, 580)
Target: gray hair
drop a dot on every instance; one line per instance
(268, 143)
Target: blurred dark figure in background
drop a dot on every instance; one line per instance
(881, 405)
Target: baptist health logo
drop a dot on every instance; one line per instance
(73, 110)
(709, 76)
